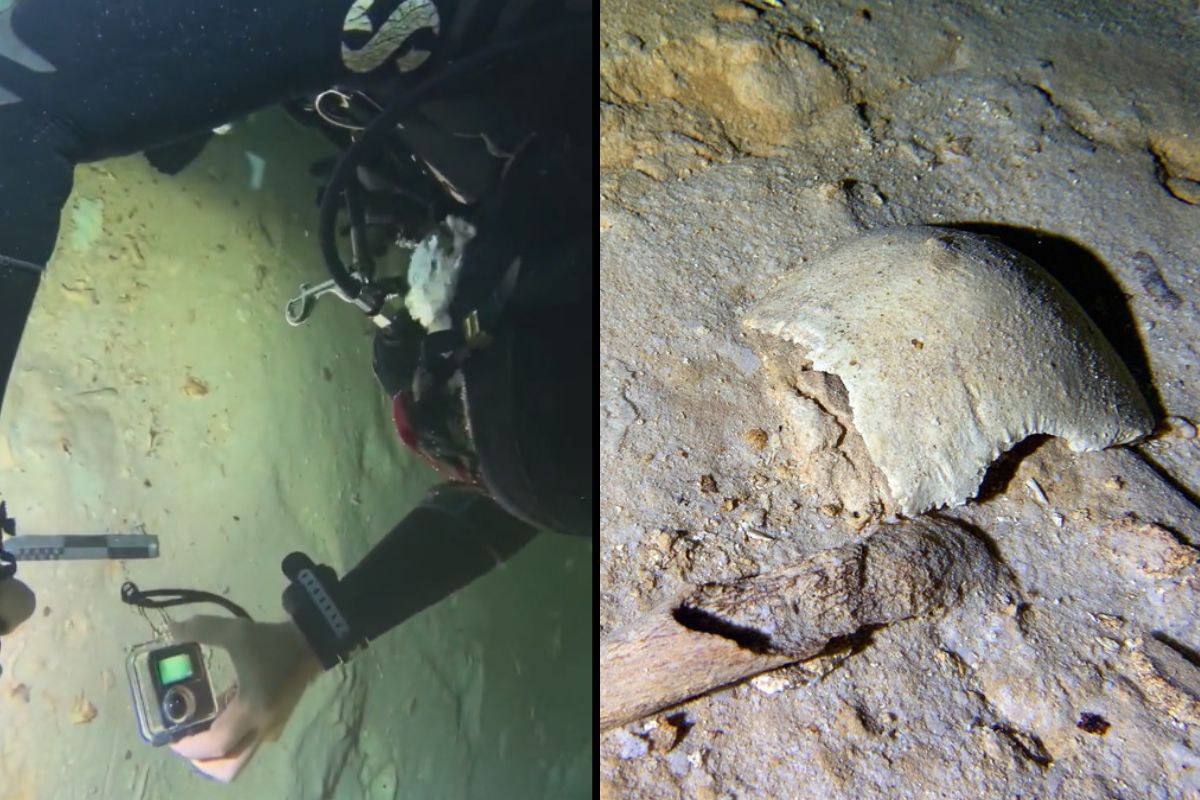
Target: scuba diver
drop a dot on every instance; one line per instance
(485, 108)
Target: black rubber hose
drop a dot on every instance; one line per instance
(374, 134)
(358, 232)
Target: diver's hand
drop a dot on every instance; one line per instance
(274, 664)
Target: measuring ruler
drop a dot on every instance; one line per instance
(115, 546)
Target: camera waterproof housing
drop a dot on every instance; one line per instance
(172, 693)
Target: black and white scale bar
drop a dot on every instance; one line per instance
(115, 546)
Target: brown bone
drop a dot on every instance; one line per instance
(721, 634)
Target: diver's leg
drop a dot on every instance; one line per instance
(35, 180)
(126, 76)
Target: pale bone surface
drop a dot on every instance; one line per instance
(952, 348)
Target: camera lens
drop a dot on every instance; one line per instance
(178, 705)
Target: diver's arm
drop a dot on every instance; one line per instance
(454, 536)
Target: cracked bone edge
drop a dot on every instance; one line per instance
(953, 348)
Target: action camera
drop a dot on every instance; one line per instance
(172, 694)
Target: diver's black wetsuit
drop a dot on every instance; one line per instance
(83, 80)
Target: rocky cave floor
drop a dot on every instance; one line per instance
(741, 140)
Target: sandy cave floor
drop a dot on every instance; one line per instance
(741, 140)
(159, 384)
